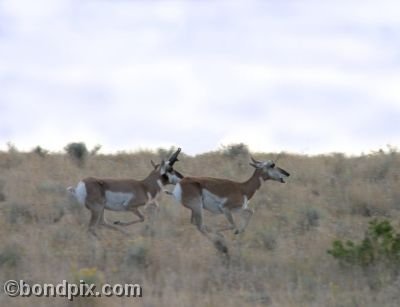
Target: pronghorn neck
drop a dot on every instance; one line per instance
(153, 183)
(252, 184)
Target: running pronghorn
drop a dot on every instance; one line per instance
(223, 196)
(98, 194)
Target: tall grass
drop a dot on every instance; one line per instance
(280, 260)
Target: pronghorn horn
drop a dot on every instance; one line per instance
(152, 163)
(253, 165)
(174, 157)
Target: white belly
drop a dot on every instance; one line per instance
(212, 202)
(118, 201)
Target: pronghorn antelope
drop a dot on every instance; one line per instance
(98, 194)
(223, 196)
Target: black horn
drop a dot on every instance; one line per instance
(174, 157)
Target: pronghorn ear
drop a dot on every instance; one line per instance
(154, 165)
(254, 160)
(253, 165)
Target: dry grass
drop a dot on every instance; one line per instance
(280, 260)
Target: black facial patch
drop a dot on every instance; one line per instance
(164, 179)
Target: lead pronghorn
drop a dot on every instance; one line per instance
(98, 194)
(223, 196)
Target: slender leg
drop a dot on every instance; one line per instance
(192, 219)
(103, 222)
(157, 205)
(94, 220)
(216, 239)
(195, 204)
(135, 211)
(247, 214)
(229, 217)
(95, 204)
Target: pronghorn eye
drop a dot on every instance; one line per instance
(273, 165)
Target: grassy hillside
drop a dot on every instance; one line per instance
(280, 260)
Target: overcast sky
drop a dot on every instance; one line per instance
(298, 76)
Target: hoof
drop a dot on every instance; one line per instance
(236, 232)
(117, 223)
(221, 247)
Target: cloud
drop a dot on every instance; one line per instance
(300, 76)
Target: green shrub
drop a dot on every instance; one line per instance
(266, 239)
(2, 195)
(381, 244)
(90, 275)
(78, 152)
(20, 213)
(10, 256)
(95, 150)
(308, 219)
(12, 149)
(137, 255)
(235, 150)
(40, 151)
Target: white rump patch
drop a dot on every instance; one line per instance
(118, 201)
(80, 192)
(212, 202)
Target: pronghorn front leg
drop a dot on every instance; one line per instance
(247, 213)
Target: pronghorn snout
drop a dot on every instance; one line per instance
(282, 174)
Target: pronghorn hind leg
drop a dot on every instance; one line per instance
(216, 239)
(94, 221)
(192, 218)
(246, 215)
(95, 204)
(135, 211)
(229, 217)
(103, 222)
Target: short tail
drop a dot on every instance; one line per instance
(79, 192)
(71, 190)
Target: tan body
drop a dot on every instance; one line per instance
(223, 196)
(98, 194)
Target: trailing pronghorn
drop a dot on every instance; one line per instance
(98, 194)
(223, 196)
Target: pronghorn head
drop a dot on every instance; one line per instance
(167, 172)
(268, 170)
